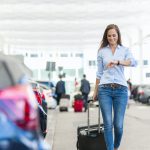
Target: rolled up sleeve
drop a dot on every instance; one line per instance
(130, 57)
(99, 72)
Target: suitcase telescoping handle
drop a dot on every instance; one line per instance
(89, 101)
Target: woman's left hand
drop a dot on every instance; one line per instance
(112, 63)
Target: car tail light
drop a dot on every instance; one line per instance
(141, 92)
(29, 121)
(38, 97)
(19, 105)
(43, 96)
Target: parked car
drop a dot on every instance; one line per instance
(49, 84)
(42, 106)
(144, 94)
(49, 96)
(19, 120)
(39, 93)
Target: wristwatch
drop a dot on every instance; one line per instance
(118, 62)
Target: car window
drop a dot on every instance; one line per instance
(34, 85)
(44, 86)
(5, 80)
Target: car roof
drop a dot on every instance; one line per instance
(12, 71)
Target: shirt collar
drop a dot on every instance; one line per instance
(118, 46)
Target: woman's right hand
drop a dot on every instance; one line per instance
(112, 64)
(95, 96)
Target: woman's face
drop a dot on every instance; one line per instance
(112, 37)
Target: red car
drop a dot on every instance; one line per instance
(18, 109)
(42, 106)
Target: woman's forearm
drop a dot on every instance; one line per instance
(125, 62)
(96, 89)
(96, 84)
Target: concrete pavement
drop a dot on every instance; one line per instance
(62, 128)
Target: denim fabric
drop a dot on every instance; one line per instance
(113, 103)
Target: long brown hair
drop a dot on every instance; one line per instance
(104, 41)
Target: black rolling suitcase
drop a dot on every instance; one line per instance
(91, 137)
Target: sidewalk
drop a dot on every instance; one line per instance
(63, 128)
(51, 124)
(137, 128)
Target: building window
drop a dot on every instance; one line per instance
(79, 55)
(64, 55)
(71, 55)
(33, 55)
(147, 75)
(92, 63)
(145, 62)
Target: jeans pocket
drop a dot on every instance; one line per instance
(124, 89)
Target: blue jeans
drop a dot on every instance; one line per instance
(113, 99)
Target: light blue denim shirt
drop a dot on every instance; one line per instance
(116, 73)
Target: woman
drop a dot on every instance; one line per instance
(111, 85)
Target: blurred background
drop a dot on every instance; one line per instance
(42, 40)
(63, 36)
